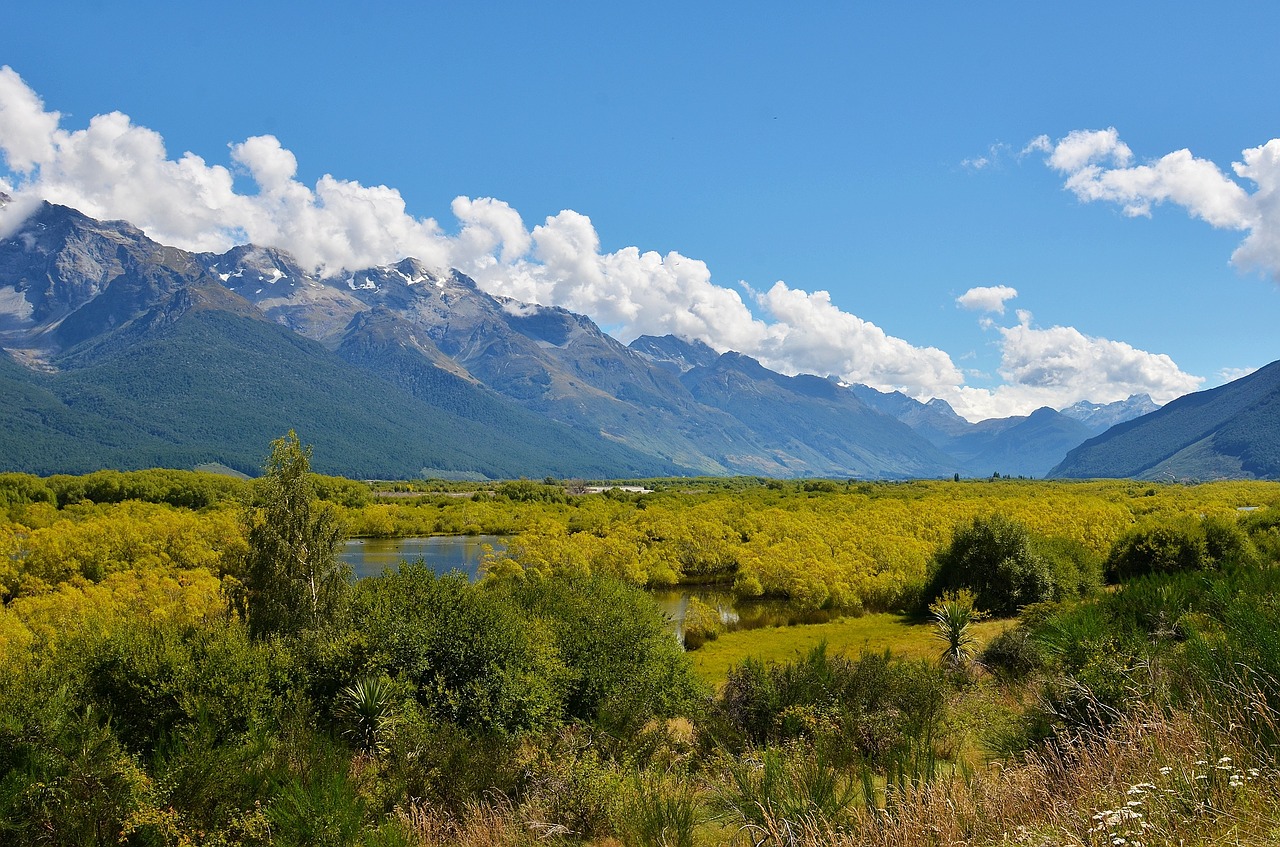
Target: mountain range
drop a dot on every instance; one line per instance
(121, 352)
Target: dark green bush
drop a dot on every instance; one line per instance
(345, 492)
(154, 679)
(528, 491)
(1076, 570)
(471, 655)
(21, 489)
(1263, 527)
(1012, 655)
(993, 557)
(184, 489)
(623, 665)
(65, 779)
(1191, 544)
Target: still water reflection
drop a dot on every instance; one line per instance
(445, 553)
(442, 553)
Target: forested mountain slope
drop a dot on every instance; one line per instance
(1229, 431)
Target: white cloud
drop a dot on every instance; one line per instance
(1060, 365)
(25, 127)
(987, 298)
(115, 169)
(1098, 166)
(1232, 374)
(814, 335)
(1087, 148)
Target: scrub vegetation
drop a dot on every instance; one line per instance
(184, 661)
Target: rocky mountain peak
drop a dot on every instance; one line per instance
(1103, 416)
(674, 353)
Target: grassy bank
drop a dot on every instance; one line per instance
(899, 634)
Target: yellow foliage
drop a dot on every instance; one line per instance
(78, 609)
(92, 542)
(862, 546)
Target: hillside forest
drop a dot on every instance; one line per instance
(184, 660)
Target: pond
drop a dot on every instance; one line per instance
(735, 612)
(445, 553)
(442, 553)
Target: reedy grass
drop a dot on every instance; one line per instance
(871, 632)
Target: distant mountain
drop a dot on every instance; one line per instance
(814, 423)
(1232, 431)
(1100, 417)
(1016, 446)
(553, 363)
(673, 353)
(934, 419)
(116, 351)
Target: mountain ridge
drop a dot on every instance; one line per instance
(1234, 423)
(542, 389)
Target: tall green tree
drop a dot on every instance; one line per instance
(293, 576)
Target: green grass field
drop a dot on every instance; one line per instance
(874, 632)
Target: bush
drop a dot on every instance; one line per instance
(64, 776)
(528, 491)
(1263, 527)
(1076, 570)
(1191, 544)
(872, 708)
(183, 489)
(623, 666)
(153, 679)
(995, 559)
(701, 624)
(20, 489)
(471, 655)
(1012, 655)
(350, 493)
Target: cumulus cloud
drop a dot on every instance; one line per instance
(987, 298)
(26, 129)
(1061, 365)
(1098, 166)
(813, 330)
(1226, 375)
(115, 169)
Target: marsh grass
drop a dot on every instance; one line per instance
(871, 633)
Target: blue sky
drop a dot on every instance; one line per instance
(885, 154)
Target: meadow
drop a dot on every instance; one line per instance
(183, 660)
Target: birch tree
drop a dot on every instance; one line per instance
(294, 578)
